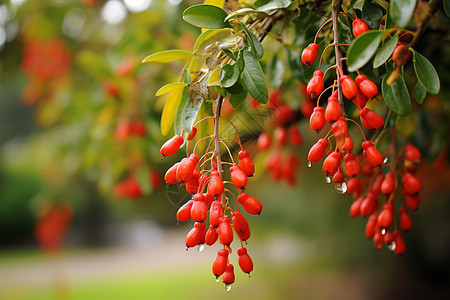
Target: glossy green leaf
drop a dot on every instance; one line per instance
(206, 16)
(419, 92)
(426, 73)
(253, 41)
(229, 74)
(363, 48)
(182, 105)
(210, 36)
(168, 56)
(265, 5)
(385, 51)
(396, 95)
(400, 11)
(446, 4)
(241, 11)
(237, 88)
(170, 87)
(371, 14)
(252, 77)
(236, 100)
(275, 72)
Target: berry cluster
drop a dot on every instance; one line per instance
(202, 177)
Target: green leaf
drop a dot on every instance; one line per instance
(170, 87)
(190, 113)
(181, 107)
(400, 11)
(363, 48)
(210, 36)
(446, 4)
(265, 5)
(371, 14)
(419, 92)
(236, 100)
(206, 16)
(396, 95)
(252, 77)
(355, 3)
(426, 73)
(275, 72)
(253, 41)
(241, 11)
(230, 54)
(167, 56)
(385, 51)
(237, 88)
(229, 74)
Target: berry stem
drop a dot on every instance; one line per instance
(318, 98)
(362, 132)
(216, 134)
(317, 33)
(229, 153)
(235, 129)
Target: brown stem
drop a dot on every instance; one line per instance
(216, 134)
(334, 15)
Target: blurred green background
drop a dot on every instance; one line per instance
(57, 145)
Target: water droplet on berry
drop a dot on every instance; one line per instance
(391, 246)
(341, 188)
(201, 248)
(383, 231)
(228, 288)
(217, 279)
(327, 179)
(385, 160)
(309, 164)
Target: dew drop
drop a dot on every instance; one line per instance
(385, 160)
(383, 231)
(309, 164)
(327, 179)
(201, 248)
(217, 279)
(391, 246)
(228, 287)
(341, 188)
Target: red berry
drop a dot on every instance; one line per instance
(376, 185)
(215, 213)
(412, 201)
(307, 107)
(139, 128)
(333, 111)
(317, 120)
(405, 220)
(123, 130)
(225, 231)
(354, 186)
(360, 100)
(317, 150)
(340, 130)
(245, 262)
(348, 144)
(369, 205)
(371, 225)
(220, 263)
(349, 88)
(309, 54)
(184, 212)
(386, 216)
(411, 184)
(399, 243)
(359, 27)
(199, 210)
(280, 135)
(238, 177)
(195, 236)
(367, 87)
(187, 167)
(264, 141)
(371, 153)
(192, 183)
(332, 163)
(215, 186)
(355, 208)
(401, 55)
(171, 175)
(240, 225)
(250, 204)
(351, 165)
(370, 119)
(388, 185)
(315, 85)
(246, 163)
(228, 276)
(172, 145)
(412, 153)
(295, 135)
(211, 235)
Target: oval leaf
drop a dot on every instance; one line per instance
(265, 5)
(253, 41)
(170, 87)
(419, 93)
(252, 77)
(236, 100)
(206, 16)
(229, 74)
(385, 51)
(363, 48)
(167, 56)
(239, 12)
(170, 108)
(426, 73)
(400, 11)
(396, 95)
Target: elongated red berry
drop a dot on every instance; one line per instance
(370, 119)
(192, 183)
(405, 220)
(347, 147)
(192, 135)
(195, 236)
(315, 85)
(245, 262)
(186, 168)
(349, 88)
(401, 54)
(340, 130)
(355, 208)
(225, 231)
(228, 276)
(211, 235)
(317, 120)
(367, 87)
(412, 201)
(359, 27)
(199, 211)
(388, 185)
(411, 184)
(351, 165)
(371, 153)
(215, 213)
(317, 150)
(215, 186)
(360, 100)
(240, 225)
(399, 243)
(354, 186)
(412, 153)
(184, 212)
(264, 141)
(246, 163)
(238, 177)
(220, 263)
(295, 135)
(369, 205)
(333, 111)
(332, 163)
(172, 145)
(250, 204)
(386, 216)
(309, 54)
(171, 175)
(371, 225)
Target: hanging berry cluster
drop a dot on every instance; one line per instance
(203, 178)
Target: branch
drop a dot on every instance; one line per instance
(334, 15)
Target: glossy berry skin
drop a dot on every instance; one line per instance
(339, 177)
(388, 185)
(349, 88)
(172, 145)
(369, 205)
(317, 120)
(411, 184)
(199, 211)
(295, 135)
(340, 130)
(245, 262)
(412, 153)
(360, 100)
(367, 87)
(246, 163)
(240, 225)
(309, 54)
(192, 183)
(186, 168)
(315, 85)
(238, 177)
(184, 212)
(370, 119)
(354, 186)
(371, 153)
(404, 220)
(399, 243)
(317, 150)
(171, 175)
(228, 275)
(264, 141)
(412, 201)
(215, 213)
(195, 236)
(371, 225)
(386, 216)
(355, 208)
(351, 165)
(250, 204)
(211, 236)
(332, 163)
(220, 263)
(192, 135)
(401, 55)
(347, 147)
(215, 186)
(359, 27)
(333, 111)
(225, 231)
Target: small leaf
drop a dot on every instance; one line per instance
(229, 53)
(265, 5)
(254, 42)
(419, 92)
(236, 100)
(206, 16)
(363, 48)
(237, 88)
(275, 72)
(168, 56)
(241, 11)
(396, 95)
(252, 77)
(371, 14)
(385, 51)
(400, 11)
(229, 74)
(426, 73)
(210, 36)
(170, 87)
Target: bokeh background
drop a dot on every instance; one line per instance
(70, 78)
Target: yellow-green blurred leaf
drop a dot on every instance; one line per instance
(167, 56)
(170, 108)
(170, 87)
